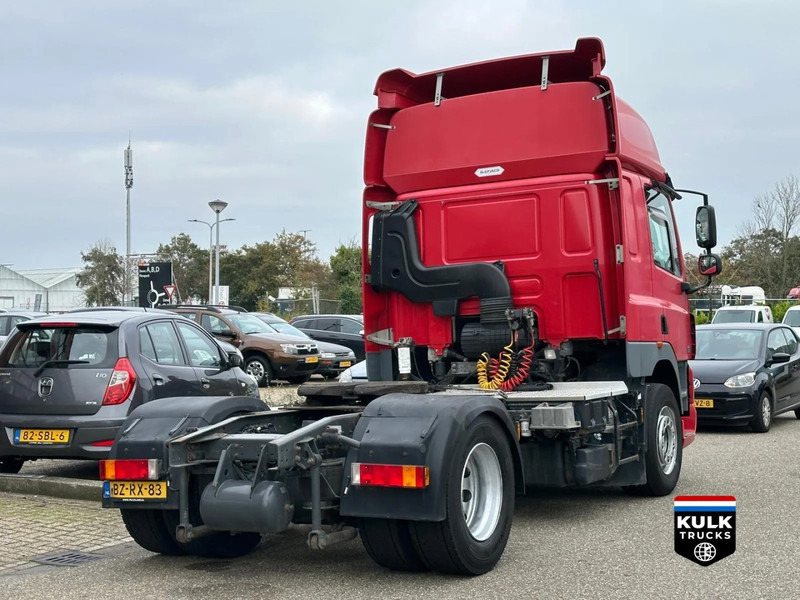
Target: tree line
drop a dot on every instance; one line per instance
(766, 250)
(252, 273)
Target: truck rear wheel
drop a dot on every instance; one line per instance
(388, 543)
(479, 499)
(664, 438)
(154, 530)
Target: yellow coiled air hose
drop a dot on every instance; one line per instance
(502, 368)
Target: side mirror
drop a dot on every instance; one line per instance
(705, 227)
(226, 333)
(709, 265)
(778, 358)
(235, 359)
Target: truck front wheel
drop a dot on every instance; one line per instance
(664, 438)
(154, 530)
(479, 496)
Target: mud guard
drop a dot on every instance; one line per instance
(414, 429)
(145, 432)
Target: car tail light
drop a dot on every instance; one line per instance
(131, 470)
(103, 443)
(406, 476)
(121, 383)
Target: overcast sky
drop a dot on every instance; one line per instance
(264, 105)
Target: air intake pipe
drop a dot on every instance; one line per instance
(396, 266)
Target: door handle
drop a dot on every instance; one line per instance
(158, 379)
(206, 383)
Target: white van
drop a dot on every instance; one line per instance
(752, 313)
(792, 318)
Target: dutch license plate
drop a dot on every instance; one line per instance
(345, 363)
(703, 403)
(41, 436)
(135, 490)
(312, 359)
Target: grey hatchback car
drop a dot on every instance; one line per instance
(67, 382)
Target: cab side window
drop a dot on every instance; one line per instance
(775, 342)
(662, 231)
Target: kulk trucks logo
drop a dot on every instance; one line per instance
(705, 528)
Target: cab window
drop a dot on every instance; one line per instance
(662, 231)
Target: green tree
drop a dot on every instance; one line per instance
(346, 270)
(102, 278)
(189, 266)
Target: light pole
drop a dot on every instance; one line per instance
(217, 206)
(210, 252)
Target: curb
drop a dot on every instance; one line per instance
(59, 487)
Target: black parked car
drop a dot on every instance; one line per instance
(746, 373)
(67, 382)
(347, 330)
(333, 358)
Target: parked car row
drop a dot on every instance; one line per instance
(67, 382)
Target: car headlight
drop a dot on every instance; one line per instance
(290, 348)
(327, 355)
(351, 356)
(740, 381)
(345, 376)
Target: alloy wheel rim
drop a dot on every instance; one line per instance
(481, 491)
(667, 440)
(255, 369)
(766, 412)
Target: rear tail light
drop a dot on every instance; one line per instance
(130, 470)
(373, 475)
(121, 383)
(103, 443)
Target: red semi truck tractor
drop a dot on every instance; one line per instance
(526, 323)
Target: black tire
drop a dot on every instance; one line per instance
(298, 379)
(258, 366)
(762, 420)
(10, 464)
(471, 543)
(148, 528)
(388, 543)
(664, 455)
(797, 412)
(154, 530)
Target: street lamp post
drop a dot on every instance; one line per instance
(210, 252)
(217, 206)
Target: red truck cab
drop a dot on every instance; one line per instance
(523, 182)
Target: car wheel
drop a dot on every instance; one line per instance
(154, 530)
(479, 502)
(388, 543)
(664, 438)
(797, 412)
(762, 420)
(259, 367)
(9, 464)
